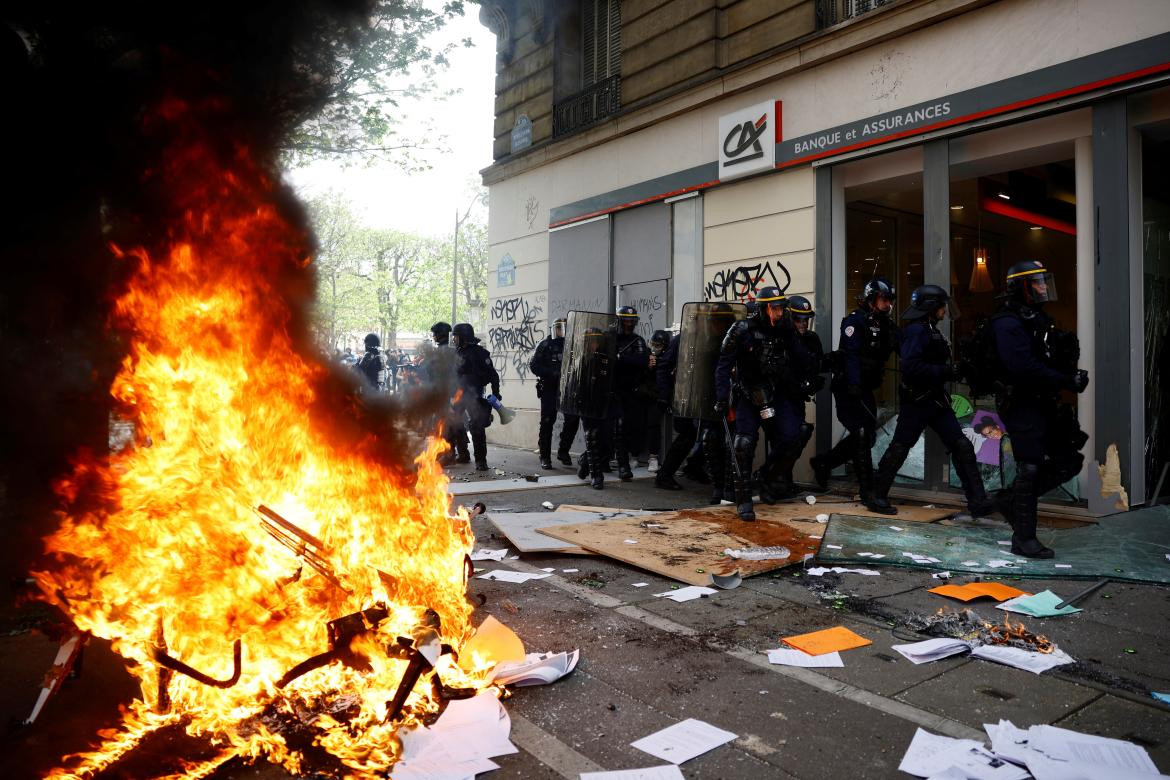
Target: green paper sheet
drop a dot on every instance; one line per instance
(1040, 605)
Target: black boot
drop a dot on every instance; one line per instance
(565, 458)
(744, 450)
(892, 461)
(821, 472)
(621, 452)
(862, 467)
(544, 441)
(583, 468)
(479, 446)
(666, 482)
(963, 458)
(1024, 499)
(1003, 504)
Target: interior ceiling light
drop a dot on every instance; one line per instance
(1035, 227)
(1005, 196)
(956, 208)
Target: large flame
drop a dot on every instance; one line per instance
(173, 549)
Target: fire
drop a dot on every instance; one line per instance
(163, 549)
(1017, 635)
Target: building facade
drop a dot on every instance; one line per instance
(654, 152)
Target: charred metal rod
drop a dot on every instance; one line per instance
(1082, 594)
(175, 664)
(414, 670)
(290, 527)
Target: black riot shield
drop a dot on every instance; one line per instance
(702, 330)
(587, 367)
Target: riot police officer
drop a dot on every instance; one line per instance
(1037, 362)
(435, 366)
(756, 350)
(587, 384)
(868, 337)
(685, 429)
(441, 334)
(546, 365)
(370, 366)
(474, 370)
(807, 357)
(924, 401)
(628, 410)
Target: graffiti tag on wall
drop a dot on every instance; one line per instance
(516, 330)
(562, 306)
(648, 318)
(742, 282)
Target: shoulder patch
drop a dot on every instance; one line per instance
(849, 330)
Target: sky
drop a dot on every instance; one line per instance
(425, 202)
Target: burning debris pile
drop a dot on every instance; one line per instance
(970, 627)
(256, 553)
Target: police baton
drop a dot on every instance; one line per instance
(727, 438)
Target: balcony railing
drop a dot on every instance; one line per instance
(598, 102)
(831, 12)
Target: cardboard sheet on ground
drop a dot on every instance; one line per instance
(688, 544)
(829, 640)
(1128, 546)
(976, 590)
(520, 529)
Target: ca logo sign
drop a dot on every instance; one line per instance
(743, 137)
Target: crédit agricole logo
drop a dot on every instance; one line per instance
(746, 143)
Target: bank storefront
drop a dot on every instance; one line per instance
(1063, 163)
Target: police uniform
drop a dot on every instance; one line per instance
(1037, 361)
(686, 430)
(546, 365)
(433, 367)
(474, 371)
(868, 338)
(757, 353)
(925, 402)
(628, 410)
(806, 361)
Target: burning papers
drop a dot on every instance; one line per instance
(1023, 659)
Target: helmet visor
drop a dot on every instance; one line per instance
(1040, 287)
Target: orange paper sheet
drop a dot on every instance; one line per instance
(827, 641)
(974, 590)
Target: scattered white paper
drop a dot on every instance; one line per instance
(440, 767)
(814, 537)
(631, 541)
(810, 500)
(775, 553)
(489, 555)
(467, 734)
(536, 669)
(668, 772)
(549, 569)
(1005, 543)
(504, 575)
(1022, 659)
(547, 504)
(689, 593)
(942, 575)
(1063, 565)
(932, 756)
(865, 554)
(640, 584)
(818, 571)
(790, 656)
(969, 563)
(1000, 564)
(833, 546)
(683, 741)
(570, 571)
(514, 558)
(822, 518)
(896, 528)
(932, 649)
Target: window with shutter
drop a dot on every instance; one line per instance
(601, 50)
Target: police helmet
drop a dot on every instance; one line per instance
(464, 333)
(772, 295)
(659, 339)
(372, 341)
(558, 328)
(441, 332)
(1030, 282)
(925, 301)
(627, 311)
(800, 308)
(879, 285)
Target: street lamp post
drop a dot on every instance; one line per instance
(455, 269)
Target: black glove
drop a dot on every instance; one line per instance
(721, 408)
(1080, 380)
